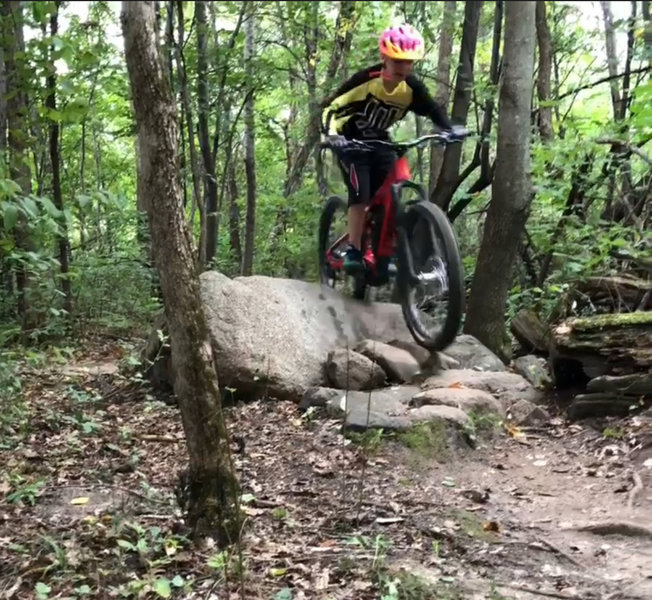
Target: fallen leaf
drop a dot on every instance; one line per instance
(456, 385)
(278, 571)
(80, 501)
(514, 431)
(491, 526)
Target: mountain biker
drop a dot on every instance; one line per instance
(363, 108)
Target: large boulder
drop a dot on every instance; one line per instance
(273, 336)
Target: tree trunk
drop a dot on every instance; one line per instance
(447, 182)
(18, 143)
(511, 194)
(51, 102)
(250, 157)
(481, 155)
(234, 216)
(3, 91)
(212, 485)
(544, 72)
(210, 180)
(187, 111)
(443, 94)
(612, 56)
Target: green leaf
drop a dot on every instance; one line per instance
(50, 208)
(162, 588)
(284, 594)
(42, 590)
(178, 581)
(126, 545)
(29, 206)
(10, 217)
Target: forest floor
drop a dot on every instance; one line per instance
(88, 509)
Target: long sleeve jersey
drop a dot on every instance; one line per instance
(362, 108)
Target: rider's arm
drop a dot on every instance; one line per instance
(423, 104)
(341, 101)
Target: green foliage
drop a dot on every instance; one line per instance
(113, 282)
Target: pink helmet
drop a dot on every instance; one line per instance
(403, 42)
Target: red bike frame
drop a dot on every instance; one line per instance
(382, 204)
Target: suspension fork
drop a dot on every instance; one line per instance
(406, 273)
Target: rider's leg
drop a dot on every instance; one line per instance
(356, 224)
(357, 181)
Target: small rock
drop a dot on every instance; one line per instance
(420, 354)
(471, 354)
(467, 399)
(318, 397)
(450, 414)
(534, 369)
(399, 364)
(351, 370)
(528, 414)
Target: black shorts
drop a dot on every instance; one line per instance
(365, 172)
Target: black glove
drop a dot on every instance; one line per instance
(337, 141)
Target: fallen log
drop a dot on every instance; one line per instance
(610, 344)
(530, 332)
(621, 293)
(631, 385)
(605, 405)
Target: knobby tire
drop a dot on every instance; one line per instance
(456, 294)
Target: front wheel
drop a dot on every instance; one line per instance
(433, 303)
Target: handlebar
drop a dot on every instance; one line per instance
(441, 138)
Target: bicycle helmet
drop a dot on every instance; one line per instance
(402, 42)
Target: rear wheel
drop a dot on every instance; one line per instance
(433, 306)
(333, 241)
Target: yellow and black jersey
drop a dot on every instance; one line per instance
(362, 108)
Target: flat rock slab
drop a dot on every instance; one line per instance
(507, 387)
(388, 408)
(466, 399)
(391, 401)
(398, 363)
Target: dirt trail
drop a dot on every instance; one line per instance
(416, 516)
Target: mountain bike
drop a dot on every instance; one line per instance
(411, 242)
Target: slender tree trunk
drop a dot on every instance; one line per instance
(512, 193)
(18, 144)
(234, 215)
(447, 182)
(55, 161)
(187, 111)
(544, 72)
(3, 90)
(212, 485)
(210, 180)
(612, 57)
(250, 157)
(481, 155)
(631, 32)
(443, 93)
